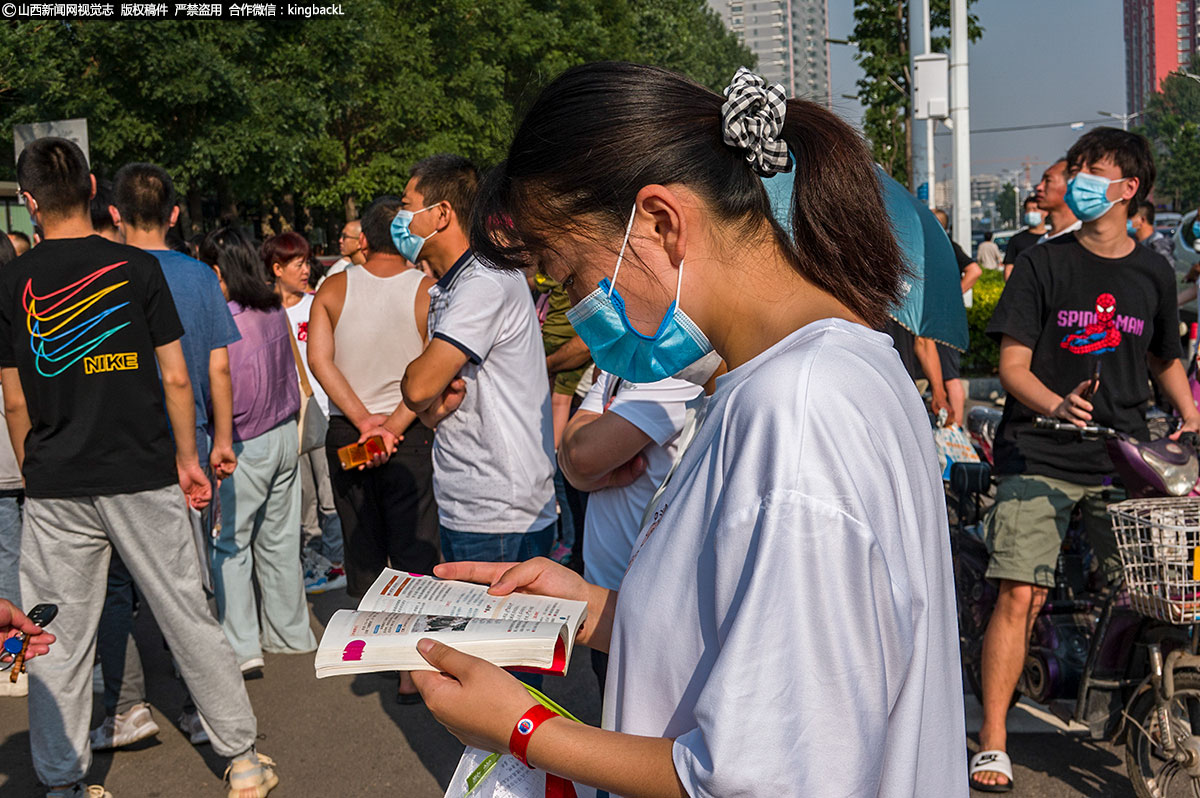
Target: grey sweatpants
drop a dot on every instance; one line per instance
(64, 560)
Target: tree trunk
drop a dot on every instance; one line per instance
(288, 212)
(225, 201)
(195, 212)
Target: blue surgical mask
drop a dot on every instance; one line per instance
(1033, 218)
(1129, 228)
(1087, 196)
(408, 242)
(1196, 229)
(601, 321)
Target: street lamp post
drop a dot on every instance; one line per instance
(1125, 119)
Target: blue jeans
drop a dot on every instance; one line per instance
(566, 518)
(498, 547)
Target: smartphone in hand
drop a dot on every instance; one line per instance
(1093, 381)
(359, 454)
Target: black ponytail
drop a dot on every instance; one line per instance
(601, 132)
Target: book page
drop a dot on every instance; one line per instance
(396, 591)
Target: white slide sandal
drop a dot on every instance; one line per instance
(991, 762)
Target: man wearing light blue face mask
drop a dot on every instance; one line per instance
(481, 381)
(1088, 296)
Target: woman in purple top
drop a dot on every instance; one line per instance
(260, 503)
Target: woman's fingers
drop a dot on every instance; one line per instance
(446, 659)
(483, 573)
(520, 575)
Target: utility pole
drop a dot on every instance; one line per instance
(960, 117)
(922, 129)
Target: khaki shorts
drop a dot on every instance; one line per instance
(1026, 527)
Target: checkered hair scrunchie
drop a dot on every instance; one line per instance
(752, 120)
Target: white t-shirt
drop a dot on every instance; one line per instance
(338, 267)
(298, 319)
(788, 616)
(493, 458)
(614, 515)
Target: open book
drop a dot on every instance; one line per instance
(517, 631)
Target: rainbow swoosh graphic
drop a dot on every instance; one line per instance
(62, 336)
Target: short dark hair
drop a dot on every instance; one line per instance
(176, 242)
(282, 248)
(101, 216)
(1129, 151)
(55, 172)
(1145, 209)
(232, 250)
(145, 195)
(987, 236)
(600, 132)
(376, 224)
(1030, 200)
(23, 236)
(7, 251)
(448, 178)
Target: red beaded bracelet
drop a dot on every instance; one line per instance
(518, 743)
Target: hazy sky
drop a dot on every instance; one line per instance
(1038, 63)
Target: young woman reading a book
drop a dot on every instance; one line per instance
(786, 624)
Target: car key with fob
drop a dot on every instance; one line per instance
(17, 646)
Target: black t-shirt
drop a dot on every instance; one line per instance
(79, 319)
(963, 259)
(1018, 244)
(1070, 307)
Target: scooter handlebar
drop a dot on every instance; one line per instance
(1058, 425)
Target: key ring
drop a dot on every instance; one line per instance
(11, 648)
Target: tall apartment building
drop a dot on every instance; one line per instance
(788, 37)
(1160, 37)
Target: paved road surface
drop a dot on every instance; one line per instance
(347, 737)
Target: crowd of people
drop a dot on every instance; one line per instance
(729, 463)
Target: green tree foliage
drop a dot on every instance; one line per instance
(324, 115)
(881, 35)
(1172, 123)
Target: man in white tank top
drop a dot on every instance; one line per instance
(482, 380)
(365, 326)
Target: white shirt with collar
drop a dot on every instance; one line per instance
(493, 458)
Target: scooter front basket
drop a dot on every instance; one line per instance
(1158, 541)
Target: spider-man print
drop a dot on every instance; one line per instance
(1101, 335)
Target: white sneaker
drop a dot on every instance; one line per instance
(252, 666)
(127, 728)
(15, 689)
(313, 564)
(189, 723)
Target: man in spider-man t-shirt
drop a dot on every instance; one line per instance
(1073, 303)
